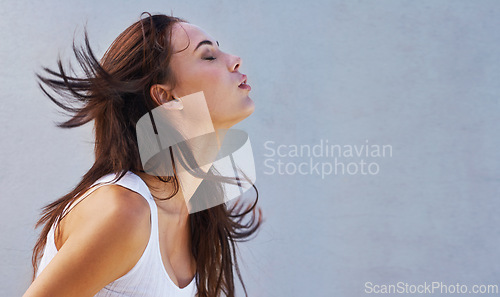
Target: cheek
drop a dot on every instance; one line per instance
(195, 77)
(215, 87)
(224, 99)
(212, 79)
(203, 79)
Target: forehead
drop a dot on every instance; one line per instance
(185, 33)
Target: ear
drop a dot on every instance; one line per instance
(160, 94)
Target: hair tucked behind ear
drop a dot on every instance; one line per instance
(114, 93)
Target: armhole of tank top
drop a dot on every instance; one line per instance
(153, 239)
(152, 208)
(52, 230)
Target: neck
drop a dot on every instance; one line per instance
(177, 207)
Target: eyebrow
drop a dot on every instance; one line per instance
(205, 42)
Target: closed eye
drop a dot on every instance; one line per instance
(209, 58)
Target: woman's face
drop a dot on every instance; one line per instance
(204, 67)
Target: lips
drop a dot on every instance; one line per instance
(243, 80)
(243, 83)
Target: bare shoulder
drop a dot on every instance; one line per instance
(114, 200)
(105, 236)
(111, 205)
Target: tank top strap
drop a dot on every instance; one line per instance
(130, 181)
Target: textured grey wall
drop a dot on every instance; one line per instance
(419, 76)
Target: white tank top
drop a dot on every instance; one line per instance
(148, 277)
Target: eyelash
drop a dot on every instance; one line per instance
(209, 58)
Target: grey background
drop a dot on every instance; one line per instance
(422, 76)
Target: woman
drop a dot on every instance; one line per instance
(122, 231)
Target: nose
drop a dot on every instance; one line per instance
(235, 65)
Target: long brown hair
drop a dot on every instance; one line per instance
(114, 93)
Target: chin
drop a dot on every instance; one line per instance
(248, 109)
(250, 106)
(237, 117)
